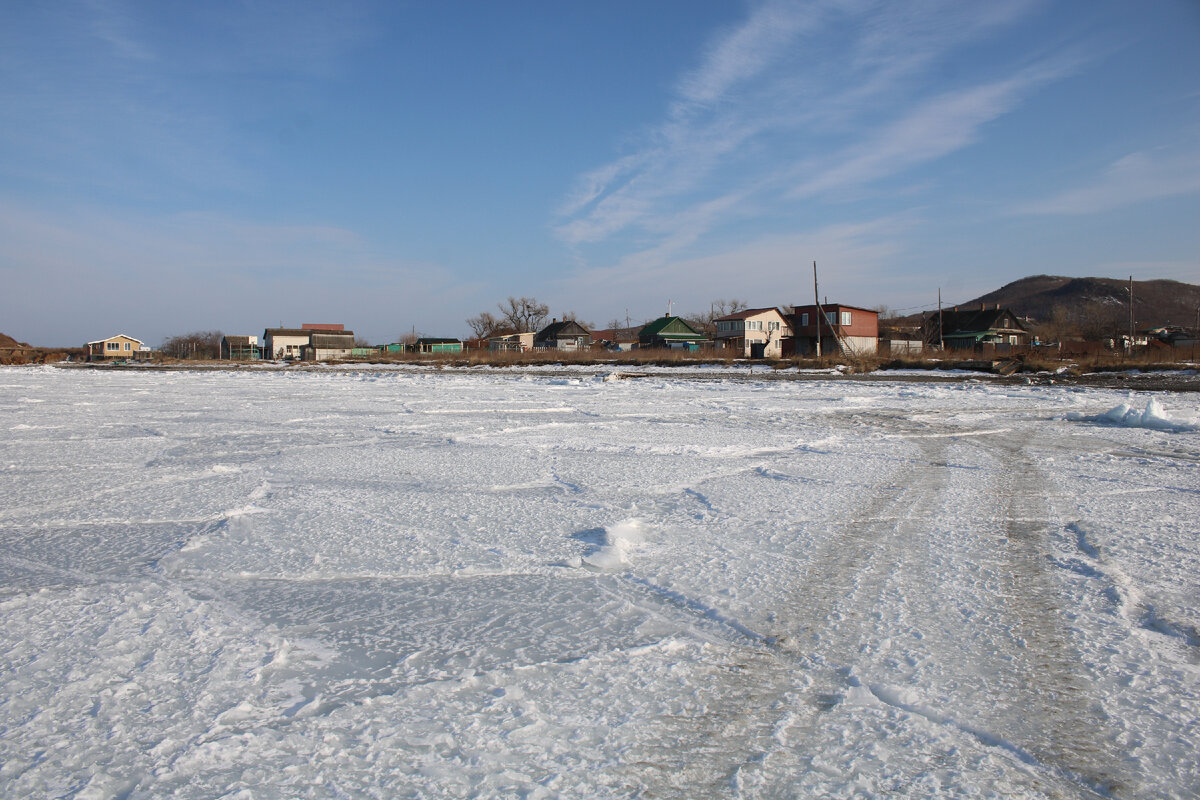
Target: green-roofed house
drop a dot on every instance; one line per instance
(670, 332)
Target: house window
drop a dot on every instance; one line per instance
(831, 318)
(128, 345)
(804, 320)
(845, 317)
(772, 325)
(112, 345)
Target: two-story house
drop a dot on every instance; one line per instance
(753, 333)
(296, 343)
(839, 328)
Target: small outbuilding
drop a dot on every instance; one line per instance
(511, 342)
(328, 346)
(432, 344)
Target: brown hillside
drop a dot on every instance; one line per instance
(7, 341)
(1155, 302)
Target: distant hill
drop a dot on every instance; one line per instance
(7, 341)
(1155, 303)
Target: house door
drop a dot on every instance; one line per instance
(758, 349)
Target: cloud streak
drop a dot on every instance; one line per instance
(775, 115)
(1136, 178)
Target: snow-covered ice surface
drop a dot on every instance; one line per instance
(400, 584)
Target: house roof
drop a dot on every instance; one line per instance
(436, 340)
(839, 306)
(239, 341)
(303, 332)
(616, 335)
(118, 336)
(661, 328)
(746, 314)
(975, 320)
(567, 327)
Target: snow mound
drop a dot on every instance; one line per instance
(618, 541)
(1127, 416)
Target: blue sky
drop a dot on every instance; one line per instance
(236, 165)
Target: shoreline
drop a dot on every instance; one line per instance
(1185, 379)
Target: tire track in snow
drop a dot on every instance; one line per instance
(865, 588)
(1057, 719)
(758, 684)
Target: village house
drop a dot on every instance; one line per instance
(753, 333)
(565, 335)
(290, 343)
(670, 332)
(119, 346)
(964, 329)
(839, 328)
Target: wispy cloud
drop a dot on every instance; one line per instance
(799, 100)
(114, 22)
(1136, 178)
(935, 128)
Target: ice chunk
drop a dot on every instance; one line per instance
(618, 541)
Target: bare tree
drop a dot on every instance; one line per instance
(524, 314)
(706, 320)
(485, 325)
(361, 342)
(721, 308)
(197, 344)
(573, 317)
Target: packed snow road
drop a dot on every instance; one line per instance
(408, 584)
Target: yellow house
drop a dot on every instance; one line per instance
(119, 346)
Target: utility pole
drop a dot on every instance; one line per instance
(1195, 333)
(817, 305)
(1131, 332)
(941, 332)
